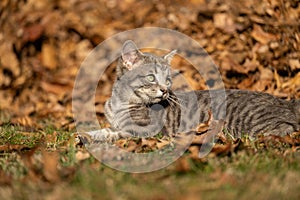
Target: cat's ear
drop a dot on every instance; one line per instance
(170, 56)
(130, 54)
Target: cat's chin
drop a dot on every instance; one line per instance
(157, 100)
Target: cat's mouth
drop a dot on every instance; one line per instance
(160, 98)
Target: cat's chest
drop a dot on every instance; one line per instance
(138, 114)
(146, 115)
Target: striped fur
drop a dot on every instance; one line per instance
(255, 113)
(143, 105)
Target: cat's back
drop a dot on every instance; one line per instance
(246, 111)
(236, 98)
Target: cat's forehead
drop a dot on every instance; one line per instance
(153, 59)
(154, 68)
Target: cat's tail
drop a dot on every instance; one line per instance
(295, 103)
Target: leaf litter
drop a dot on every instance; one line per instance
(255, 43)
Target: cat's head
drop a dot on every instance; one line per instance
(146, 76)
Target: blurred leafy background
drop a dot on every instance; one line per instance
(255, 43)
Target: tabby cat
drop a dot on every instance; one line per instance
(143, 104)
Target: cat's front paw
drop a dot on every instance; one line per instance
(105, 135)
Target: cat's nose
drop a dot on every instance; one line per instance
(164, 92)
(163, 89)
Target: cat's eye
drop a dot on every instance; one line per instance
(168, 82)
(150, 77)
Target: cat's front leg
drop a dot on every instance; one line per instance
(103, 135)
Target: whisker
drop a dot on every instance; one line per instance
(180, 100)
(174, 101)
(175, 98)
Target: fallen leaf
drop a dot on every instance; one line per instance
(262, 36)
(294, 64)
(49, 58)
(225, 22)
(54, 88)
(23, 121)
(82, 155)
(277, 79)
(50, 166)
(149, 143)
(9, 62)
(32, 32)
(13, 147)
(6, 179)
(221, 149)
(162, 143)
(293, 82)
(131, 146)
(182, 165)
(194, 152)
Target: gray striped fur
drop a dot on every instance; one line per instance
(142, 107)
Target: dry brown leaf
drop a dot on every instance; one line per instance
(6, 179)
(221, 149)
(149, 143)
(194, 152)
(250, 65)
(50, 166)
(8, 62)
(162, 143)
(294, 64)
(131, 146)
(199, 139)
(32, 32)
(293, 82)
(49, 58)
(277, 79)
(230, 63)
(23, 121)
(28, 160)
(183, 165)
(261, 36)
(225, 22)
(247, 83)
(275, 140)
(203, 127)
(12, 147)
(82, 155)
(54, 88)
(221, 136)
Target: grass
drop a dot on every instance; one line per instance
(14, 136)
(257, 171)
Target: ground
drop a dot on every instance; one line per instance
(256, 45)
